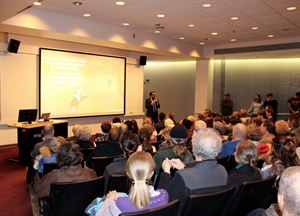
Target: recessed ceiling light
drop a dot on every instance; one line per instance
(202, 43)
(37, 3)
(191, 25)
(77, 3)
(126, 24)
(156, 31)
(214, 33)
(233, 40)
(206, 5)
(120, 3)
(291, 8)
(86, 15)
(234, 18)
(160, 15)
(270, 35)
(181, 38)
(254, 28)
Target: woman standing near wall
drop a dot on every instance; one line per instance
(256, 106)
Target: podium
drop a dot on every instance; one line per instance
(28, 133)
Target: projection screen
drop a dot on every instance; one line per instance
(74, 84)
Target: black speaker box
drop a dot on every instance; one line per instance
(13, 46)
(143, 60)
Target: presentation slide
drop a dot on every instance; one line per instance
(80, 84)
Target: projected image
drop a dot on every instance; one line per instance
(76, 84)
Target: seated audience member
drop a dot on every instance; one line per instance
(69, 159)
(160, 125)
(283, 156)
(84, 136)
(75, 134)
(245, 156)
(239, 132)
(254, 134)
(48, 155)
(222, 129)
(203, 173)
(48, 132)
(170, 121)
(139, 168)
(151, 129)
(294, 123)
(104, 136)
(257, 121)
(166, 143)
(108, 148)
(176, 150)
(267, 129)
(116, 122)
(282, 127)
(135, 127)
(144, 137)
(129, 142)
(269, 114)
(129, 125)
(200, 125)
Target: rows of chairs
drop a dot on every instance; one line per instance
(71, 199)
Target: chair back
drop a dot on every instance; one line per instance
(86, 152)
(99, 163)
(210, 203)
(71, 199)
(228, 162)
(169, 209)
(250, 196)
(48, 167)
(118, 182)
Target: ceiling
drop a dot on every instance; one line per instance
(270, 16)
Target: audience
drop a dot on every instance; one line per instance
(48, 132)
(267, 129)
(254, 134)
(75, 133)
(145, 134)
(256, 106)
(104, 136)
(69, 159)
(84, 137)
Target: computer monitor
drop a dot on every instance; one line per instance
(27, 115)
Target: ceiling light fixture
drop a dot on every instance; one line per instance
(181, 38)
(270, 35)
(291, 8)
(191, 25)
(156, 31)
(37, 3)
(202, 43)
(126, 24)
(254, 28)
(120, 3)
(234, 18)
(206, 5)
(86, 15)
(160, 15)
(77, 3)
(214, 33)
(233, 40)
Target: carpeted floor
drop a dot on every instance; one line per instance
(14, 192)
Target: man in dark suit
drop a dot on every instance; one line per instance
(152, 105)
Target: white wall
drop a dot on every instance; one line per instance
(19, 83)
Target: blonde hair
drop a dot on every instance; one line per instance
(246, 152)
(139, 168)
(282, 127)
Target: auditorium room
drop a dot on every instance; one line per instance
(150, 107)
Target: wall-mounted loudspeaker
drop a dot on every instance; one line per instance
(143, 60)
(13, 46)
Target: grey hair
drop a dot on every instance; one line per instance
(200, 125)
(289, 188)
(84, 133)
(207, 144)
(239, 131)
(54, 144)
(48, 130)
(75, 130)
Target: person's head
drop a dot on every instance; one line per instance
(54, 144)
(227, 96)
(192, 118)
(178, 135)
(171, 115)
(129, 124)
(282, 127)
(144, 133)
(105, 127)
(116, 120)
(285, 152)
(147, 120)
(246, 153)
(293, 120)
(166, 133)
(207, 144)
(239, 131)
(68, 154)
(75, 130)
(269, 97)
(289, 192)
(135, 127)
(269, 112)
(129, 142)
(253, 132)
(161, 116)
(220, 127)
(267, 127)
(114, 134)
(84, 133)
(257, 98)
(152, 94)
(188, 124)
(257, 121)
(48, 130)
(140, 168)
(199, 125)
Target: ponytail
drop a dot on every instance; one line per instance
(139, 193)
(146, 146)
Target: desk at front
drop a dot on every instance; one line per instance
(27, 134)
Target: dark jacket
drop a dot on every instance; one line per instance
(243, 173)
(151, 110)
(203, 174)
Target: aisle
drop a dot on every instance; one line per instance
(14, 194)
